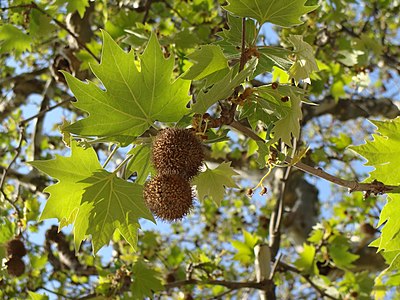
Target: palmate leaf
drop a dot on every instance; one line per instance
(207, 60)
(232, 38)
(306, 262)
(383, 153)
(212, 182)
(289, 126)
(285, 13)
(77, 5)
(96, 201)
(223, 88)
(12, 38)
(140, 163)
(145, 282)
(115, 205)
(65, 196)
(305, 62)
(133, 99)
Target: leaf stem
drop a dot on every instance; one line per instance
(264, 177)
(123, 163)
(243, 54)
(110, 156)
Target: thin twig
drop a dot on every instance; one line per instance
(110, 156)
(63, 26)
(55, 293)
(42, 112)
(28, 75)
(234, 285)
(16, 6)
(307, 278)
(275, 266)
(222, 295)
(17, 152)
(146, 11)
(177, 12)
(122, 163)
(374, 187)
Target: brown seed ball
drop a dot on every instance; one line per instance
(177, 151)
(16, 248)
(168, 196)
(15, 266)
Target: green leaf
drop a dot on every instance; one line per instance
(207, 60)
(306, 262)
(285, 13)
(350, 58)
(65, 196)
(223, 88)
(96, 201)
(140, 163)
(233, 35)
(389, 240)
(212, 182)
(383, 152)
(289, 126)
(133, 100)
(7, 230)
(271, 57)
(77, 5)
(255, 112)
(341, 142)
(116, 205)
(36, 296)
(245, 250)
(262, 152)
(12, 38)
(145, 281)
(40, 25)
(305, 62)
(339, 251)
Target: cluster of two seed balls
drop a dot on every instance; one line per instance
(177, 156)
(15, 251)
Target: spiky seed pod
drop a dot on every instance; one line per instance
(177, 151)
(168, 196)
(16, 248)
(15, 266)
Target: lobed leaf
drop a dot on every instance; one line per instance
(133, 99)
(285, 13)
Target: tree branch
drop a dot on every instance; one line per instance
(44, 111)
(374, 187)
(348, 109)
(17, 152)
(307, 278)
(63, 26)
(233, 285)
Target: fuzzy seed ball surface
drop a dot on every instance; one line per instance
(177, 151)
(168, 196)
(15, 266)
(16, 248)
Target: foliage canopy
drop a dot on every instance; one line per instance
(274, 89)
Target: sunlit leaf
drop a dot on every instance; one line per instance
(133, 99)
(145, 281)
(284, 13)
(212, 182)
